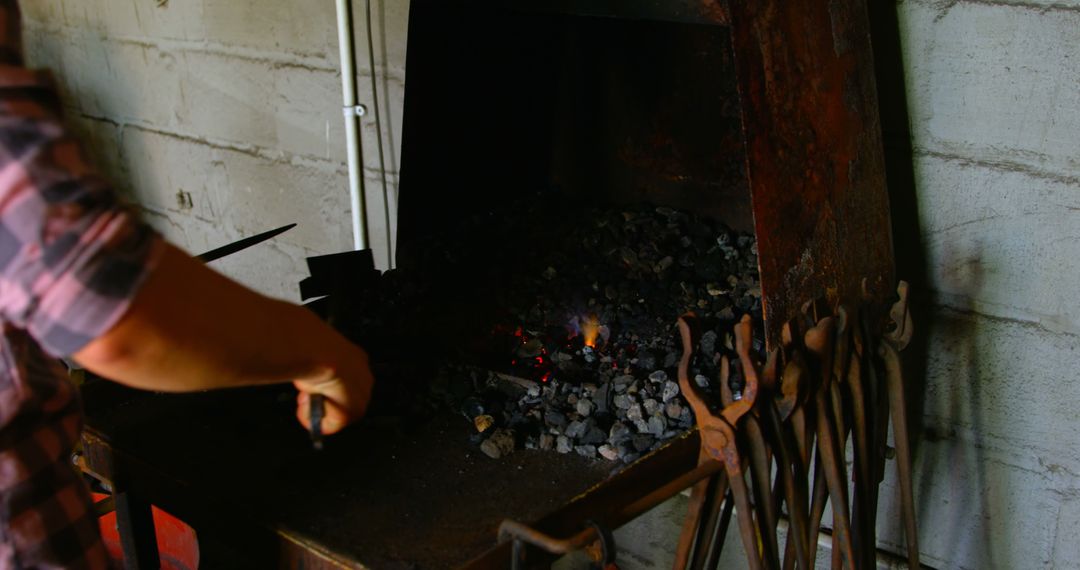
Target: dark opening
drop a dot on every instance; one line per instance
(583, 110)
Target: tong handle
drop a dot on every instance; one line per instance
(317, 412)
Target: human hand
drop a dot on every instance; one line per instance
(346, 388)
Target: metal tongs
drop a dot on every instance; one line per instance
(719, 443)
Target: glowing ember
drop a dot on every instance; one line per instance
(590, 329)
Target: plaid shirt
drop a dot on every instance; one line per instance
(71, 258)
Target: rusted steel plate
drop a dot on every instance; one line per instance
(814, 152)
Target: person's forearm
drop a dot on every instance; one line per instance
(190, 328)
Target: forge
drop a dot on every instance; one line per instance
(621, 163)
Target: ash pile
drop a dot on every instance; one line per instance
(584, 346)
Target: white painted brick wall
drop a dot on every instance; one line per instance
(237, 104)
(996, 83)
(995, 111)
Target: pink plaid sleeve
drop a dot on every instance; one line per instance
(71, 259)
(71, 255)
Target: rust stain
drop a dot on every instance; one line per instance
(715, 10)
(815, 162)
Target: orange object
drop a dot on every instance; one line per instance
(178, 546)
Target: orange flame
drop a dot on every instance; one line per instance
(590, 328)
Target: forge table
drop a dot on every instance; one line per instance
(237, 467)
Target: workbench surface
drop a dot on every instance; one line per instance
(382, 494)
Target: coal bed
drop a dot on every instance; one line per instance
(561, 336)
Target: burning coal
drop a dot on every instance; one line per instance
(593, 349)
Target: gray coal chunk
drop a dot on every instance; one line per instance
(671, 360)
(634, 413)
(708, 343)
(594, 436)
(643, 442)
(562, 445)
(657, 425)
(641, 425)
(646, 361)
(623, 379)
(701, 380)
(555, 418)
(608, 452)
(576, 429)
(546, 442)
(586, 450)
(649, 390)
(619, 433)
(622, 401)
(500, 444)
(650, 406)
(585, 407)
(671, 390)
(673, 410)
(658, 376)
(600, 398)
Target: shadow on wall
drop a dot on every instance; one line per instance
(950, 472)
(386, 102)
(963, 461)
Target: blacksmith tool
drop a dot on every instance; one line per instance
(317, 408)
(841, 342)
(790, 465)
(820, 342)
(704, 499)
(896, 340)
(760, 452)
(718, 434)
(341, 285)
(862, 509)
(242, 244)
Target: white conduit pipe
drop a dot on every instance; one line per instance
(353, 112)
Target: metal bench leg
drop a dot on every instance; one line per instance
(138, 537)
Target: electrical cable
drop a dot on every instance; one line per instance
(379, 133)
